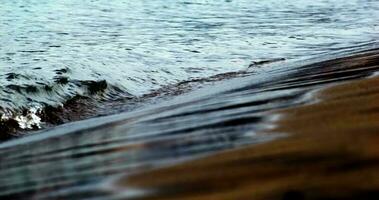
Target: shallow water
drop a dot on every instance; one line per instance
(82, 159)
(52, 51)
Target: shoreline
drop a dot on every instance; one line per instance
(330, 153)
(221, 138)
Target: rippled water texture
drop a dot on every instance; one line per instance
(77, 160)
(51, 51)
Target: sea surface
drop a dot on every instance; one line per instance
(54, 51)
(74, 56)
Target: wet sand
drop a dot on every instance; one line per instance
(306, 130)
(331, 152)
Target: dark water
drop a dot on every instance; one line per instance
(82, 159)
(112, 52)
(53, 51)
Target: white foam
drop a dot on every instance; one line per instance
(30, 121)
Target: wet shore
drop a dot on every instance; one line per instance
(330, 153)
(307, 131)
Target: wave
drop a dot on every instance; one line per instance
(93, 98)
(43, 105)
(69, 100)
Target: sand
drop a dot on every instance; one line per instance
(331, 152)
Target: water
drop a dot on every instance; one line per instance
(53, 51)
(82, 160)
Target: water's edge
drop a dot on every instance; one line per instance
(227, 115)
(103, 99)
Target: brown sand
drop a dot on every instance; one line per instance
(332, 153)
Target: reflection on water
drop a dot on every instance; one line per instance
(50, 50)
